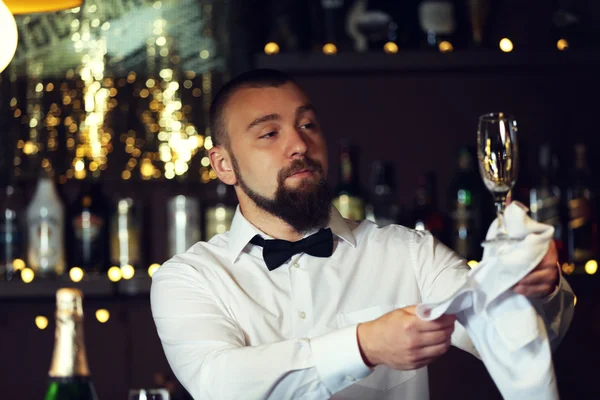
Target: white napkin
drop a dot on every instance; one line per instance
(504, 326)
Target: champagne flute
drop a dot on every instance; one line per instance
(497, 152)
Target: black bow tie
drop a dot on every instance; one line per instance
(277, 251)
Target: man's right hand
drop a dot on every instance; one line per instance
(401, 340)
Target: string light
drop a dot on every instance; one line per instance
(41, 322)
(114, 274)
(562, 45)
(390, 48)
(27, 275)
(271, 48)
(152, 269)
(591, 267)
(329, 49)
(76, 274)
(127, 271)
(102, 315)
(506, 45)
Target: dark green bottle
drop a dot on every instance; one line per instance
(69, 375)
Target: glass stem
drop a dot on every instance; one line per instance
(500, 215)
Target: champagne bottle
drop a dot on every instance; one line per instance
(348, 198)
(45, 224)
(219, 215)
(125, 234)
(465, 234)
(88, 229)
(582, 231)
(69, 375)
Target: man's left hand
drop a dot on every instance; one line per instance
(542, 281)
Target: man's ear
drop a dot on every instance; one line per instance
(220, 160)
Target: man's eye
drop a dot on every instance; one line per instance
(308, 125)
(268, 135)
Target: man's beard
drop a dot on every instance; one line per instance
(305, 207)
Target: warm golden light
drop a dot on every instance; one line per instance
(152, 269)
(127, 271)
(41, 322)
(76, 274)
(506, 45)
(329, 49)
(102, 315)
(40, 6)
(568, 268)
(390, 48)
(271, 48)
(591, 267)
(575, 300)
(562, 45)
(18, 264)
(445, 47)
(114, 274)
(27, 275)
(472, 263)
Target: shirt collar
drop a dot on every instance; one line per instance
(242, 231)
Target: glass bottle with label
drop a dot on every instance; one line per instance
(12, 236)
(383, 208)
(88, 229)
(426, 215)
(218, 216)
(437, 19)
(545, 198)
(184, 226)
(125, 234)
(348, 197)
(45, 227)
(465, 233)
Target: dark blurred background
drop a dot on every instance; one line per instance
(95, 97)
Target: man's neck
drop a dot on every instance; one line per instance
(268, 223)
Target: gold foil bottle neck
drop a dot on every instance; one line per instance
(69, 356)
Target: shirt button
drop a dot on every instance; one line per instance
(296, 265)
(302, 315)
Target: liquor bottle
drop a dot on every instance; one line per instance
(371, 28)
(184, 225)
(218, 216)
(465, 207)
(46, 227)
(333, 37)
(88, 229)
(426, 215)
(125, 234)
(479, 16)
(582, 230)
(437, 19)
(12, 236)
(382, 207)
(348, 197)
(566, 24)
(545, 198)
(69, 375)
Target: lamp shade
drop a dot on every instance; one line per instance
(40, 6)
(9, 35)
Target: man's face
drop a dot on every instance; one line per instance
(279, 155)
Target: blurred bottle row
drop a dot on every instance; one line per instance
(569, 204)
(50, 236)
(381, 25)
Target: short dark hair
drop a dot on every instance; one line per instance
(257, 78)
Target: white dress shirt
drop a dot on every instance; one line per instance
(232, 329)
